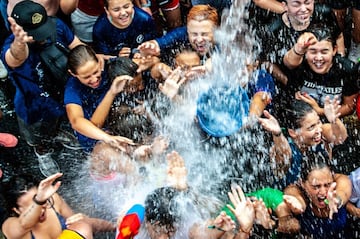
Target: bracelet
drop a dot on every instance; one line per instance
(297, 53)
(40, 203)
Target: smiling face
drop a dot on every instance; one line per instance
(300, 11)
(120, 12)
(320, 56)
(201, 35)
(317, 185)
(310, 132)
(89, 74)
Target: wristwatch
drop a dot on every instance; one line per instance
(147, 4)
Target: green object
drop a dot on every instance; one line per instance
(270, 196)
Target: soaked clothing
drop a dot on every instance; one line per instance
(61, 220)
(278, 38)
(109, 39)
(293, 174)
(339, 81)
(323, 227)
(89, 99)
(33, 99)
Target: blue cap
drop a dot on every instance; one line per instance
(220, 110)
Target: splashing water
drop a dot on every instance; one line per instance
(211, 163)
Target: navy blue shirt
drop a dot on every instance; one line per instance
(109, 39)
(89, 99)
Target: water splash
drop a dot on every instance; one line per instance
(211, 163)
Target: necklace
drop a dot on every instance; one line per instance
(288, 18)
(299, 26)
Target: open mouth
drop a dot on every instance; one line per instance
(322, 201)
(317, 138)
(95, 84)
(124, 19)
(318, 64)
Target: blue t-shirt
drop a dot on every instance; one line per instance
(32, 102)
(109, 39)
(89, 99)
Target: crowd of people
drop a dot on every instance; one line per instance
(270, 155)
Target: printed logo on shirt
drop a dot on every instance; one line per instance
(140, 38)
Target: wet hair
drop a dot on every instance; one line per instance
(323, 32)
(161, 207)
(314, 161)
(79, 55)
(296, 113)
(203, 12)
(121, 66)
(17, 186)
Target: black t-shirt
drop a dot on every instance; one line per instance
(277, 38)
(339, 81)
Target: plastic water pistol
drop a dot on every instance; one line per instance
(130, 225)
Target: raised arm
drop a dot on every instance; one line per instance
(270, 5)
(295, 56)
(335, 131)
(281, 149)
(19, 50)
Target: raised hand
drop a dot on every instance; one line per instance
(331, 109)
(176, 172)
(47, 187)
(159, 145)
(270, 123)
(304, 41)
(119, 84)
(242, 208)
(294, 204)
(149, 48)
(224, 222)
(172, 84)
(19, 33)
(333, 200)
(262, 215)
(119, 142)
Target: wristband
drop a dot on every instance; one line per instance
(147, 4)
(297, 53)
(40, 203)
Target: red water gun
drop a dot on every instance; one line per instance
(130, 225)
